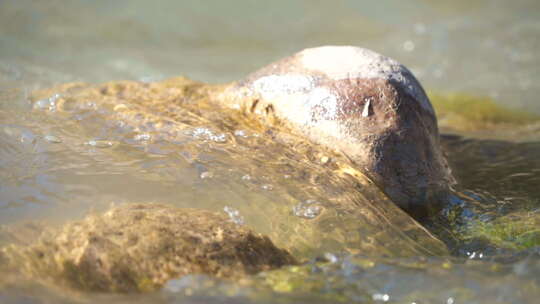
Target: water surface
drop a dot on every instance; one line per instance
(57, 167)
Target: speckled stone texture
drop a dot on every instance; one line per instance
(363, 104)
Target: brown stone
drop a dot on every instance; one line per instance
(360, 103)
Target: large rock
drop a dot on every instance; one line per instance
(363, 104)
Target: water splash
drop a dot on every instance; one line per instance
(48, 104)
(208, 135)
(143, 137)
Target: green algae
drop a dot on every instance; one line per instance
(495, 207)
(346, 279)
(517, 231)
(468, 112)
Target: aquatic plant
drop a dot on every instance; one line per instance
(517, 231)
(467, 112)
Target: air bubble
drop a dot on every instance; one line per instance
(142, 137)
(332, 258)
(240, 133)
(234, 215)
(47, 103)
(408, 46)
(20, 134)
(380, 297)
(207, 134)
(99, 143)
(52, 139)
(27, 137)
(267, 187)
(206, 174)
(309, 209)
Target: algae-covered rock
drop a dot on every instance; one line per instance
(414, 280)
(138, 247)
(515, 231)
(348, 99)
(207, 128)
(358, 279)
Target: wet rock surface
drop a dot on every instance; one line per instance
(139, 247)
(348, 99)
(341, 131)
(363, 104)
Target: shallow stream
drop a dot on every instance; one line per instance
(476, 60)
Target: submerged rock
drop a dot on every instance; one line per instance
(516, 231)
(302, 148)
(360, 103)
(348, 99)
(138, 247)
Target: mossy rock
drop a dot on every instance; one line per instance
(138, 247)
(516, 231)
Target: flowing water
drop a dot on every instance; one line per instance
(63, 155)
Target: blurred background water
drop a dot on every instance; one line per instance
(58, 169)
(486, 46)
